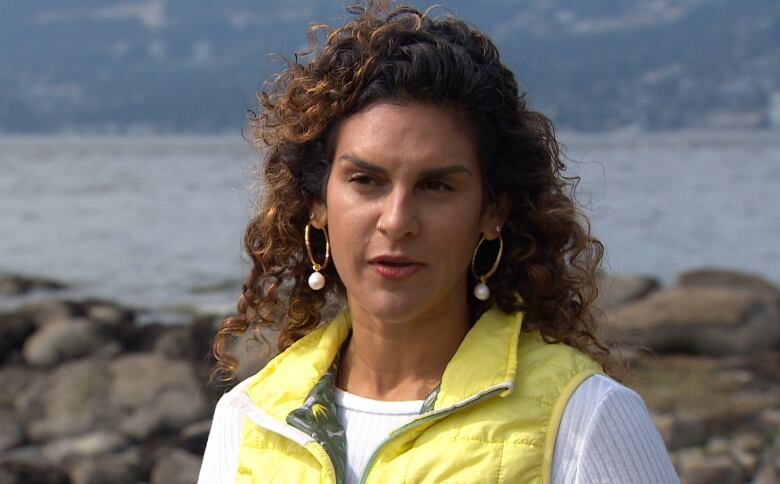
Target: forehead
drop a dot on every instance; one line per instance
(393, 133)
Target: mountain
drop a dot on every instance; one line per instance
(167, 66)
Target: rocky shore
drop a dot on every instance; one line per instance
(91, 393)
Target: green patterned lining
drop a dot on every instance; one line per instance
(318, 419)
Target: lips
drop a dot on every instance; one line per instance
(395, 267)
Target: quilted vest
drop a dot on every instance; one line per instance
(493, 418)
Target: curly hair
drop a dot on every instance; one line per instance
(406, 55)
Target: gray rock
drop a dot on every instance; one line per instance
(176, 343)
(28, 465)
(88, 445)
(15, 328)
(616, 290)
(155, 393)
(14, 379)
(17, 284)
(68, 401)
(175, 466)
(64, 339)
(731, 279)
(117, 468)
(46, 310)
(697, 468)
(107, 313)
(702, 320)
(10, 431)
(194, 436)
(680, 429)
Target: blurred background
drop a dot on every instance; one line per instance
(125, 187)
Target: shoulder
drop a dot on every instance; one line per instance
(607, 435)
(220, 458)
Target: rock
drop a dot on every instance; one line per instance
(68, 401)
(155, 393)
(107, 313)
(751, 442)
(718, 446)
(680, 429)
(701, 320)
(88, 445)
(697, 468)
(194, 436)
(17, 284)
(65, 339)
(176, 343)
(13, 380)
(27, 465)
(10, 432)
(46, 310)
(175, 466)
(14, 330)
(728, 279)
(118, 468)
(617, 290)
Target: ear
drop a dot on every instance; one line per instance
(319, 215)
(495, 216)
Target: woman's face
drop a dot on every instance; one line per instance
(403, 210)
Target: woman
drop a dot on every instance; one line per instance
(406, 181)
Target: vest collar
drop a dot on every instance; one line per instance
(486, 358)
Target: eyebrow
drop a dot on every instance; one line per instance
(434, 172)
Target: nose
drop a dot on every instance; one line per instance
(399, 217)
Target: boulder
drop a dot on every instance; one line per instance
(27, 465)
(43, 311)
(616, 290)
(87, 445)
(175, 466)
(15, 328)
(10, 431)
(14, 379)
(194, 436)
(17, 284)
(65, 339)
(155, 393)
(695, 467)
(728, 279)
(69, 400)
(116, 468)
(701, 320)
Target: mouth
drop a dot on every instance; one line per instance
(394, 267)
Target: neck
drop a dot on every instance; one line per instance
(400, 360)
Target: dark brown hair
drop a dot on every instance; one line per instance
(408, 56)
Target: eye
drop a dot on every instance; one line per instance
(436, 186)
(362, 179)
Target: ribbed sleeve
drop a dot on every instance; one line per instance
(606, 435)
(220, 460)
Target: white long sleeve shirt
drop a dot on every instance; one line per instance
(605, 436)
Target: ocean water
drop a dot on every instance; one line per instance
(157, 222)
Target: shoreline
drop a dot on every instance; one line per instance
(95, 391)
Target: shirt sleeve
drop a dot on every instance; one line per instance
(220, 460)
(606, 435)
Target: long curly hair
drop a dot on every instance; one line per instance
(403, 54)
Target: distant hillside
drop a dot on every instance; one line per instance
(194, 65)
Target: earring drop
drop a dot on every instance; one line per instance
(316, 279)
(481, 290)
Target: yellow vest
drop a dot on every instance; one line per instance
(493, 418)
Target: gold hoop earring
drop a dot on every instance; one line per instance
(316, 280)
(481, 290)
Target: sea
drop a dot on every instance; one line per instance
(157, 222)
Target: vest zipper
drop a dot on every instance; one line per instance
(435, 415)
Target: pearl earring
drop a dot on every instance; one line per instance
(316, 279)
(481, 290)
